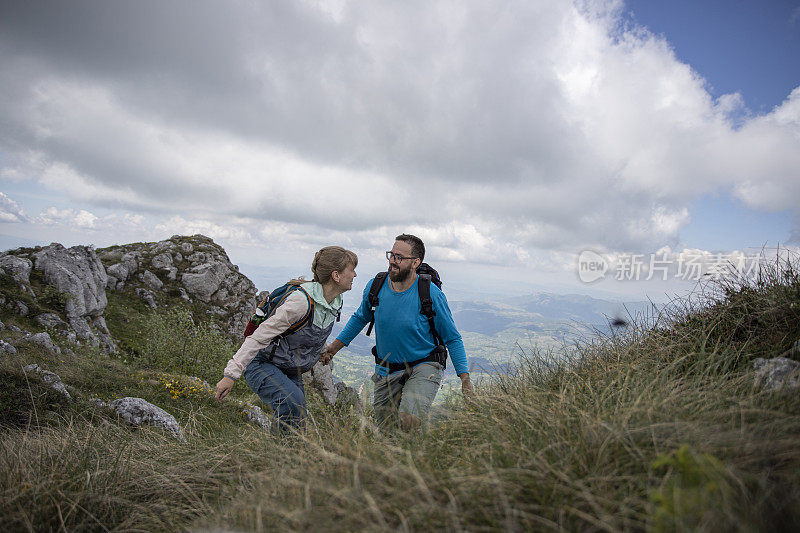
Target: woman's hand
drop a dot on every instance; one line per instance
(224, 386)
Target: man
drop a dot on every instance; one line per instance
(407, 372)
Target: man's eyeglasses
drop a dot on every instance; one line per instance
(391, 256)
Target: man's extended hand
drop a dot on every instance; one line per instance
(325, 356)
(330, 350)
(466, 386)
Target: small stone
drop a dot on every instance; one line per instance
(50, 378)
(49, 320)
(6, 347)
(147, 296)
(255, 414)
(20, 308)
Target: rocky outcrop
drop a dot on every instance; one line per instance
(138, 412)
(70, 280)
(192, 268)
(78, 272)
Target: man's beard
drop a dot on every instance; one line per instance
(399, 275)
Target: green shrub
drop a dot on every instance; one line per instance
(174, 341)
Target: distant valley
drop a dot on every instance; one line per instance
(497, 331)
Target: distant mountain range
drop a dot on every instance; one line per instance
(497, 331)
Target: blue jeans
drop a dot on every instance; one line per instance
(282, 389)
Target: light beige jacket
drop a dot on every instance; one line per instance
(288, 313)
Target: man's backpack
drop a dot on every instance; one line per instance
(274, 300)
(427, 275)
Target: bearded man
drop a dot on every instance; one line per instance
(409, 359)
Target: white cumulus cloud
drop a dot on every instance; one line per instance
(494, 129)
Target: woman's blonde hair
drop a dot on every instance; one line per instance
(328, 260)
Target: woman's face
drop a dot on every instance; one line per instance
(346, 277)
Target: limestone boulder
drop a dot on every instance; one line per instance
(139, 412)
(204, 280)
(44, 340)
(151, 280)
(18, 268)
(78, 272)
(777, 373)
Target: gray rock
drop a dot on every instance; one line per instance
(111, 282)
(255, 414)
(118, 271)
(187, 248)
(138, 412)
(18, 268)
(348, 396)
(161, 246)
(78, 272)
(204, 280)
(49, 320)
(147, 296)
(43, 339)
(777, 373)
(97, 403)
(197, 258)
(99, 324)
(81, 328)
(6, 347)
(71, 337)
(20, 308)
(321, 378)
(151, 280)
(14, 328)
(162, 261)
(50, 378)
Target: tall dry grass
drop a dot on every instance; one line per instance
(657, 428)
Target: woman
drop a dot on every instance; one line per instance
(273, 363)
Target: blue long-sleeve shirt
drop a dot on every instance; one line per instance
(402, 332)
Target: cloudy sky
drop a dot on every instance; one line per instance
(511, 136)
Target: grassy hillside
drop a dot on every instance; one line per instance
(660, 428)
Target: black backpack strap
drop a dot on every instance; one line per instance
(372, 297)
(426, 305)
